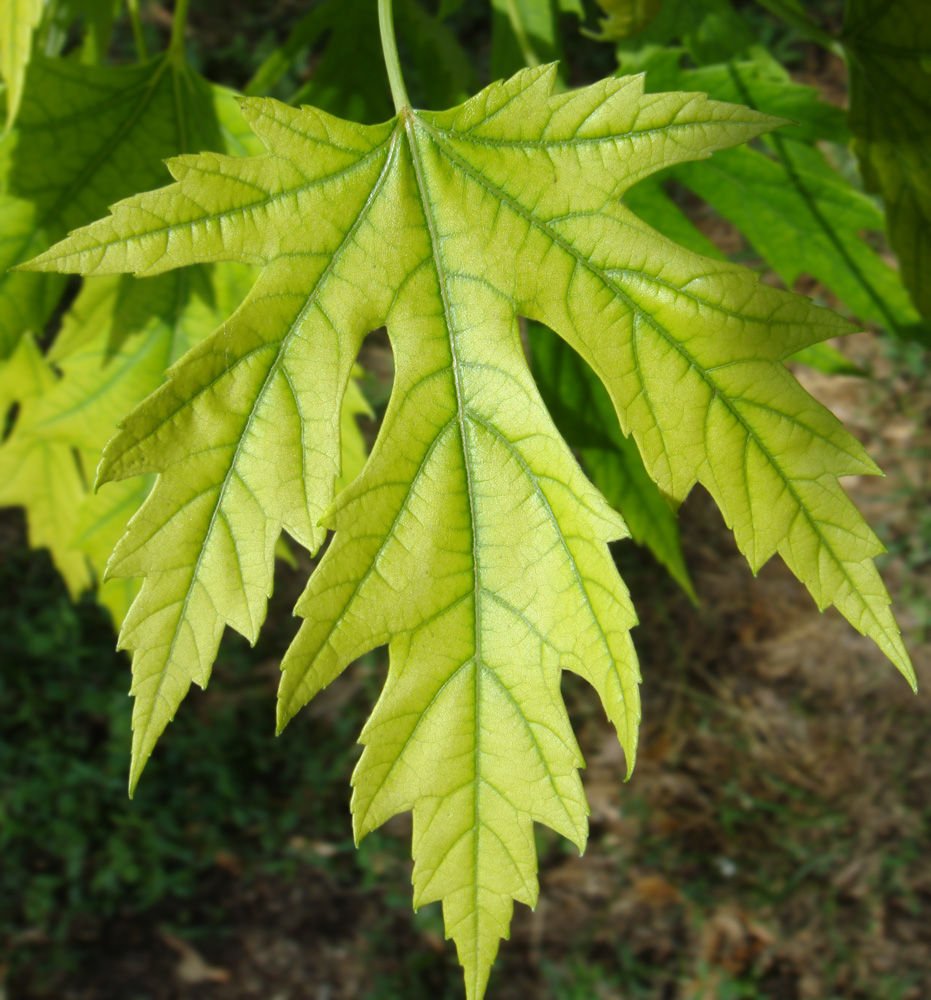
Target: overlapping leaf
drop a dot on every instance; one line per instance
(888, 43)
(86, 136)
(471, 542)
(115, 344)
(583, 412)
(790, 178)
(40, 475)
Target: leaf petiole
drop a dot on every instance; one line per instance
(389, 48)
(178, 24)
(138, 37)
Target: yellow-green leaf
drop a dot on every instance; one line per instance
(471, 544)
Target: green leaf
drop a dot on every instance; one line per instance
(18, 22)
(824, 238)
(448, 7)
(585, 416)
(760, 190)
(85, 137)
(115, 345)
(40, 475)
(888, 44)
(827, 359)
(113, 348)
(25, 299)
(711, 30)
(94, 16)
(650, 202)
(100, 523)
(471, 543)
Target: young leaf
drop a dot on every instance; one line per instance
(471, 543)
(625, 18)
(888, 44)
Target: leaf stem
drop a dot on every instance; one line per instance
(138, 37)
(803, 24)
(389, 47)
(178, 24)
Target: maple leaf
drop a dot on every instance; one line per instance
(471, 543)
(888, 45)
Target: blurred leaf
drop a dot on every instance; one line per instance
(888, 44)
(825, 358)
(114, 347)
(85, 137)
(625, 18)
(101, 522)
(448, 7)
(802, 217)
(649, 201)
(40, 475)
(584, 413)
(525, 33)
(18, 22)
(796, 210)
(96, 17)
(710, 30)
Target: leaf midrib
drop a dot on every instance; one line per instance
(467, 465)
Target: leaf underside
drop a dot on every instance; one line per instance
(471, 543)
